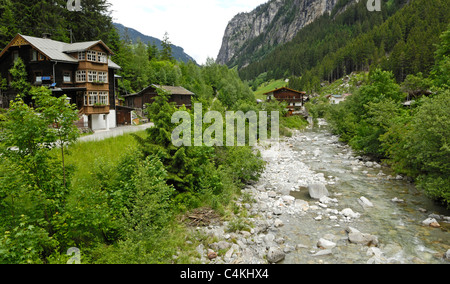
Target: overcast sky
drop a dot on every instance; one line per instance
(195, 25)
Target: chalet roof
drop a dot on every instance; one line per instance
(52, 48)
(285, 88)
(57, 50)
(173, 90)
(82, 46)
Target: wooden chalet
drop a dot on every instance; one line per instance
(337, 99)
(295, 99)
(178, 95)
(83, 71)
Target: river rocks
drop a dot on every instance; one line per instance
(447, 255)
(286, 226)
(356, 237)
(302, 205)
(317, 191)
(397, 200)
(278, 223)
(327, 200)
(212, 254)
(347, 212)
(222, 245)
(326, 244)
(275, 255)
(365, 202)
(323, 252)
(431, 222)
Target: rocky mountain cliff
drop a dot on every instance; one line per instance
(248, 36)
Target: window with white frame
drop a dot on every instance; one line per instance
(96, 98)
(82, 55)
(81, 76)
(15, 55)
(67, 77)
(102, 57)
(103, 98)
(34, 55)
(93, 98)
(38, 76)
(92, 76)
(91, 55)
(103, 77)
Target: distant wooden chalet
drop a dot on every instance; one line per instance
(178, 95)
(295, 99)
(83, 71)
(337, 99)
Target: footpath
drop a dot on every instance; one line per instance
(114, 132)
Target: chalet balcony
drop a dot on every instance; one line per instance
(100, 109)
(289, 100)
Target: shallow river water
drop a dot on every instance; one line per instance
(395, 218)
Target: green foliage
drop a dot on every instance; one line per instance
(25, 243)
(428, 146)
(32, 183)
(414, 140)
(441, 70)
(19, 78)
(35, 18)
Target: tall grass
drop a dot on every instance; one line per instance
(84, 156)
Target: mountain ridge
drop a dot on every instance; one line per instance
(135, 35)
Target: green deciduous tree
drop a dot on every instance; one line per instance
(32, 181)
(428, 146)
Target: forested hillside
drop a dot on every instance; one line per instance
(401, 39)
(133, 36)
(414, 138)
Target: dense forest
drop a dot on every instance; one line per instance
(35, 18)
(400, 39)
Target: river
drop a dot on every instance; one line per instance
(283, 224)
(395, 217)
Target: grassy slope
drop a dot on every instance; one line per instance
(267, 87)
(83, 156)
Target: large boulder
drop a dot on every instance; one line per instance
(326, 244)
(275, 255)
(356, 237)
(317, 191)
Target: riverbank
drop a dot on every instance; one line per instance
(366, 215)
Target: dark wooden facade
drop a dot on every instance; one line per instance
(178, 95)
(56, 65)
(295, 100)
